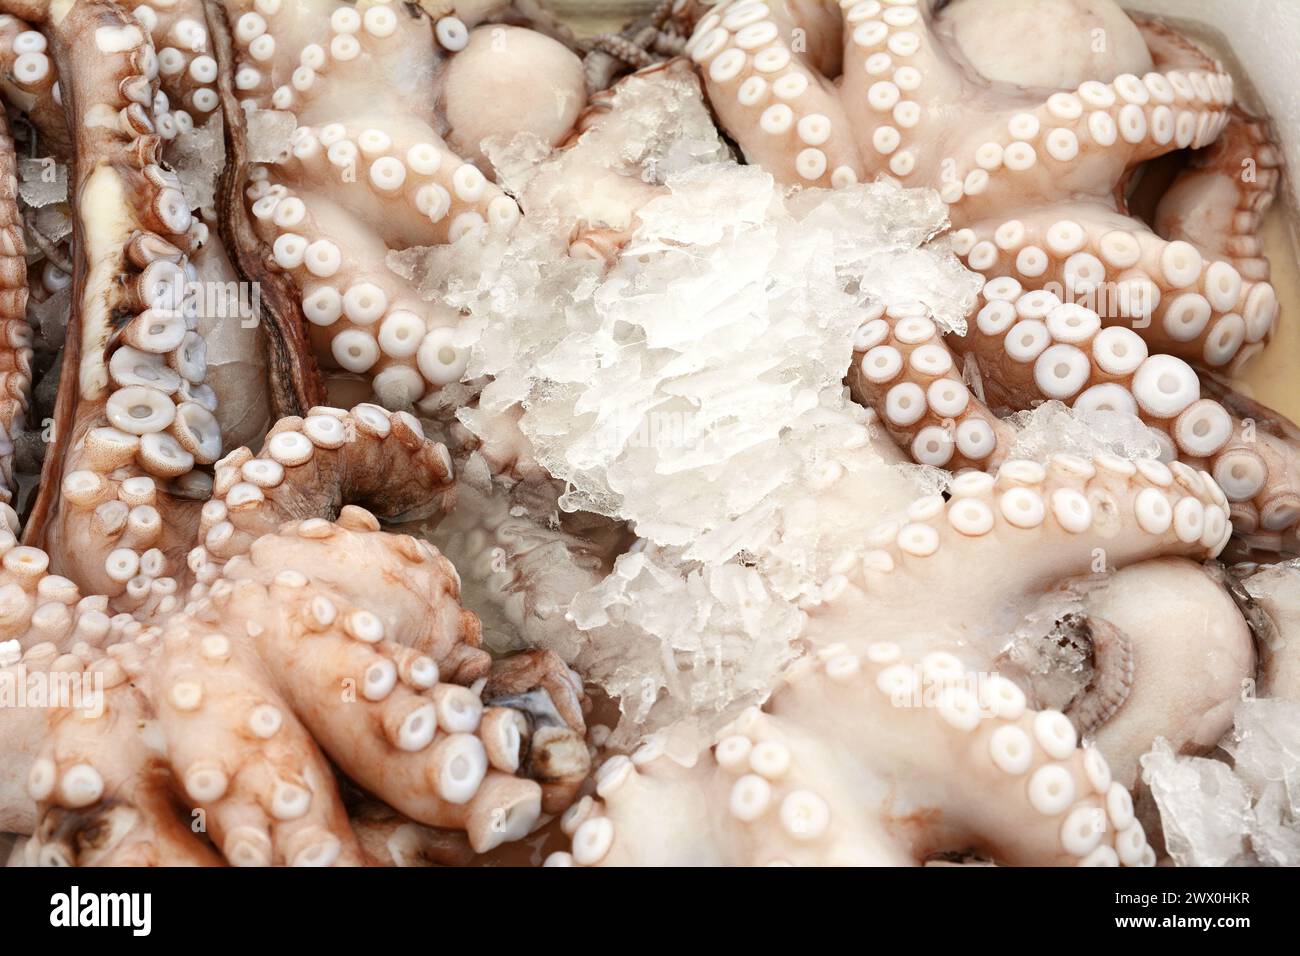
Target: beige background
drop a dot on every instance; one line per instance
(591, 17)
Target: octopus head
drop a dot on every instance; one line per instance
(1088, 40)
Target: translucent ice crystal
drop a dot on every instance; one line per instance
(198, 156)
(267, 135)
(683, 388)
(1204, 808)
(1055, 428)
(42, 182)
(1216, 814)
(1265, 747)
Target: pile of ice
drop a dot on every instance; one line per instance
(694, 389)
(683, 389)
(1247, 812)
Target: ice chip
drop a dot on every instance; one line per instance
(268, 134)
(1204, 809)
(198, 158)
(42, 182)
(1054, 428)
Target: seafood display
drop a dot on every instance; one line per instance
(778, 432)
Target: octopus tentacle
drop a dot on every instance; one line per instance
(1256, 471)
(252, 793)
(283, 648)
(44, 616)
(444, 197)
(31, 83)
(1181, 302)
(94, 753)
(902, 366)
(423, 741)
(138, 410)
(888, 108)
(786, 786)
(186, 66)
(287, 50)
(1218, 200)
(294, 382)
(15, 331)
(318, 466)
(364, 317)
(756, 82)
(1031, 346)
(364, 176)
(663, 33)
(883, 78)
(1050, 151)
(1244, 164)
(1057, 521)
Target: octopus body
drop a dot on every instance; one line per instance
(869, 751)
(284, 665)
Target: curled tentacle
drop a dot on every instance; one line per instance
(315, 467)
(1218, 201)
(288, 651)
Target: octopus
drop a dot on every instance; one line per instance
(1044, 158)
(287, 646)
(197, 749)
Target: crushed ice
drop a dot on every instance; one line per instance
(695, 388)
(1247, 812)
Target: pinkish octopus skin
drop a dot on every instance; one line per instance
(287, 681)
(1084, 303)
(383, 157)
(271, 651)
(785, 784)
(184, 597)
